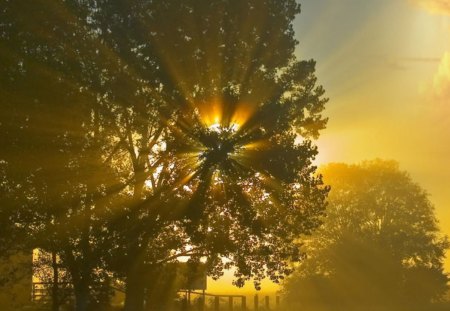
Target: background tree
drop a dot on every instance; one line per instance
(379, 247)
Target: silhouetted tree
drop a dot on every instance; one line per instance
(193, 58)
(379, 247)
(211, 61)
(57, 177)
(178, 124)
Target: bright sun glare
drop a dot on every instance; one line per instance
(218, 127)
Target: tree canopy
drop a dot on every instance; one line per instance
(379, 247)
(139, 131)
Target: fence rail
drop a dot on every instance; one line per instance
(42, 292)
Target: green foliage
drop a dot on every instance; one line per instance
(379, 246)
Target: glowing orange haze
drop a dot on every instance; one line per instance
(386, 68)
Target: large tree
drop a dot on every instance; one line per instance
(241, 98)
(199, 108)
(379, 247)
(206, 64)
(57, 178)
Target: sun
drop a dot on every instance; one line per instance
(219, 128)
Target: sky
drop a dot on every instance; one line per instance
(385, 65)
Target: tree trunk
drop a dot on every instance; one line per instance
(81, 297)
(55, 289)
(134, 292)
(135, 278)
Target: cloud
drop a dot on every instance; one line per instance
(435, 6)
(441, 80)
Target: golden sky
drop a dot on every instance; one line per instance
(386, 67)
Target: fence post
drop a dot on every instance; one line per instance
(256, 303)
(216, 303)
(244, 303)
(267, 303)
(203, 300)
(201, 303)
